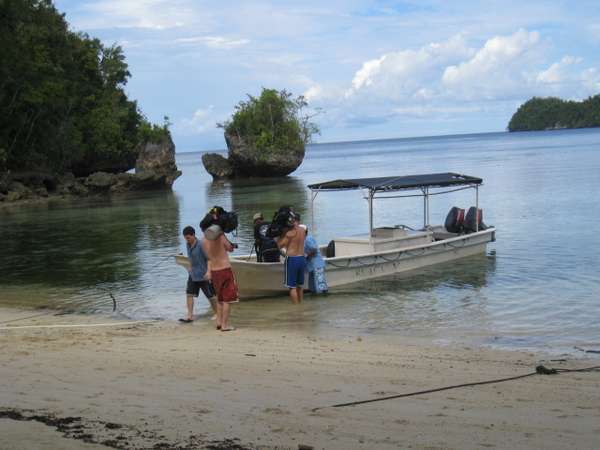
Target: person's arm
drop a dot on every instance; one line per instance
(208, 274)
(228, 245)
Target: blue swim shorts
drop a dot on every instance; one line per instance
(294, 268)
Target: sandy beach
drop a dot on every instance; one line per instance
(165, 385)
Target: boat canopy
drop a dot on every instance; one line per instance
(380, 187)
(398, 183)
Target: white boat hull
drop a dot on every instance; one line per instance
(266, 279)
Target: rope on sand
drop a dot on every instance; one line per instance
(80, 325)
(539, 370)
(30, 317)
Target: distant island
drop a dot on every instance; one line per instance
(553, 113)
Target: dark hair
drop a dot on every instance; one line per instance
(189, 231)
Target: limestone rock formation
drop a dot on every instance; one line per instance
(217, 165)
(100, 181)
(247, 161)
(158, 158)
(155, 169)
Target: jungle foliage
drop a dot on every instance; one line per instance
(62, 100)
(272, 122)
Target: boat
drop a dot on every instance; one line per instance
(382, 251)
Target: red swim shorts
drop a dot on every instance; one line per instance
(224, 283)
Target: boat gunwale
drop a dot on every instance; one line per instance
(441, 242)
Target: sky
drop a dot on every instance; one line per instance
(371, 69)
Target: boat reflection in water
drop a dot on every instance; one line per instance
(466, 273)
(441, 298)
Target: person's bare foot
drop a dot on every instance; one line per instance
(214, 317)
(230, 328)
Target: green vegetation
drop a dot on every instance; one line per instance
(272, 122)
(553, 113)
(62, 100)
(151, 132)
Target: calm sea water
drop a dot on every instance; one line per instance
(537, 286)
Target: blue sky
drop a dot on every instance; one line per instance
(377, 69)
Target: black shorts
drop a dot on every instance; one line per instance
(193, 288)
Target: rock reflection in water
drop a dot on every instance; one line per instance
(266, 195)
(60, 249)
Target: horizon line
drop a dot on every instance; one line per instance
(366, 140)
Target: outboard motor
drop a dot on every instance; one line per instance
(470, 220)
(455, 220)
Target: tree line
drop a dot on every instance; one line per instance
(554, 113)
(62, 100)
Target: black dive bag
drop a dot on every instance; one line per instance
(283, 219)
(227, 220)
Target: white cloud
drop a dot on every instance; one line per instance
(496, 69)
(313, 92)
(366, 74)
(557, 72)
(203, 121)
(451, 78)
(406, 73)
(215, 42)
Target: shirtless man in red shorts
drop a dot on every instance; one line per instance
(222, 277)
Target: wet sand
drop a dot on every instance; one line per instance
(165, 385)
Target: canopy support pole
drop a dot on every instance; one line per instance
(424, 207)
(313, 196)
(371, 194)
(476, 208)
(427, 204)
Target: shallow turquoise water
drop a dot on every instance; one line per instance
(537, 287)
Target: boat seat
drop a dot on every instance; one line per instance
(440, 233)
(444, 234)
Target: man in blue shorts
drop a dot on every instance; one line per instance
(295, 262)
(199, 278)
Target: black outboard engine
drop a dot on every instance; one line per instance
(470, 220)
(283, 219)
(455, 220)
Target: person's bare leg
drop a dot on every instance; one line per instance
(226, 307)
(294, 295)
(213, 305)
(219, 315)
(190, 307)
(300, 291)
